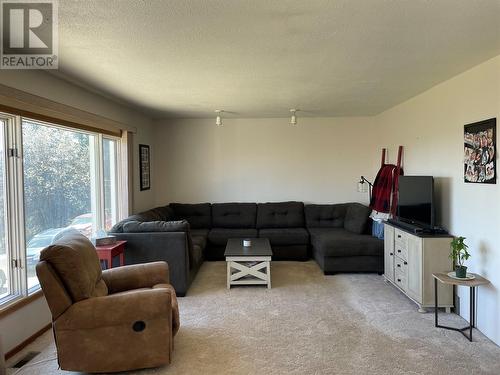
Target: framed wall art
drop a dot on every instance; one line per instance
(480, 152)
(144, 167)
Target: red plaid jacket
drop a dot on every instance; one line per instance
(384, 194)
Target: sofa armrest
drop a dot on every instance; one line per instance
(136, 276)
(118, 309)
(171, 247)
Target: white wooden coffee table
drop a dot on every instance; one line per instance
(248, 265)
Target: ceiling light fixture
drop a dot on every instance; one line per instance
(293, 119)
(218, 119)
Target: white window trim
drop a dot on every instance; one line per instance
(15, 231)
(14, 211)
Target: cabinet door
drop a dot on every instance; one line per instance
(415, 268)
(389, 252)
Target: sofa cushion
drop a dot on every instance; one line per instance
(118, 227)
(75, 260)
(234, 215)
(200, 237)
(155, 226)
(325, 215)
(200, 241)
(339, 242)
(280, 215)
(356, 218)
(196, 256)
(219, 236)
(200, 232)
(285, 236)
(163, 213)
(198, 215)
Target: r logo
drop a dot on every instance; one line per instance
(29, 34)
(27, 28)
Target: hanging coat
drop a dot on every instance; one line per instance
(384, 193)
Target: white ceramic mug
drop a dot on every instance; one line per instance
(247, 243)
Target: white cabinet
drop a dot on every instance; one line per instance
(415, 276)
(389, 252)
(410, 260)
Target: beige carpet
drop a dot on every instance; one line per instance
(308, 324)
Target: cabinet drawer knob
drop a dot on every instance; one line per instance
(399, 265)
(399, 280)
(399, 236)
(405, 263)
(391, 253)
(399, 251)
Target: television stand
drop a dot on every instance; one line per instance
(412, 228)
(410, 259)
(418, 230)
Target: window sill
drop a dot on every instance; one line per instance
(19, 303)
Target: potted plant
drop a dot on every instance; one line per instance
(459, 254)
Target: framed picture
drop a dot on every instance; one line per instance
(480, 165)
(145, 167)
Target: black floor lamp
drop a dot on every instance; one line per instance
(361, 186)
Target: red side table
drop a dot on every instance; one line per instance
(108, 252)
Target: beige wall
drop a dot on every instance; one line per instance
(17, 327)
(431, 126)
(320, 160)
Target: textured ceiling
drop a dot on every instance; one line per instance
(258, 58)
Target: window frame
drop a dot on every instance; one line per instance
(118, 175)
(15, 209)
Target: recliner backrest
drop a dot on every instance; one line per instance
(54, 290)
(74, 259)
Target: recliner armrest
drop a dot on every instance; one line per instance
(119, 309)
(136, 276)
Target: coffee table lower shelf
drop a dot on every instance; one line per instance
(248, 270)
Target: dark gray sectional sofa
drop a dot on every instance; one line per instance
(283, 223)
(335, 235)
(340, 238)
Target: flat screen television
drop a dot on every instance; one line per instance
(416, 200)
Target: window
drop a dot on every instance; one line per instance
(110, 179)
(60, 178)
(5, 287)
(59, 184)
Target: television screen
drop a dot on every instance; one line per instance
(415, 201)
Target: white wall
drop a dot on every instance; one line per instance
(17, 327)
(430, 127)
(259, 160)
(321, 159)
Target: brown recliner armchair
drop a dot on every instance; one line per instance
(107, 321)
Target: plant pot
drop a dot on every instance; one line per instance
(461, 271)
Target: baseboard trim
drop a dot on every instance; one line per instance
(28, 341)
